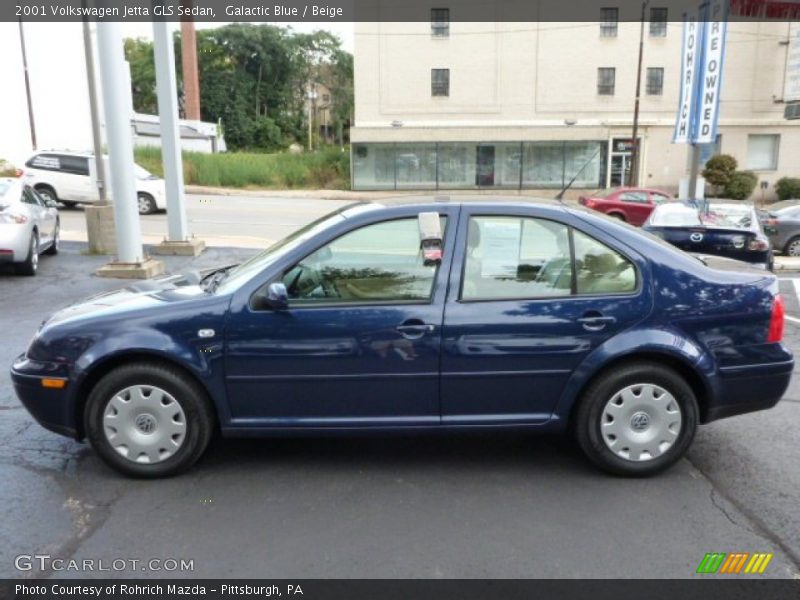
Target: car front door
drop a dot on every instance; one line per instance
(534, 297)
(637, 206)
(358, 345)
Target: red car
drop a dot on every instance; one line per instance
(629, 204)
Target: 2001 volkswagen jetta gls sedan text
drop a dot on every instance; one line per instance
(433, 316)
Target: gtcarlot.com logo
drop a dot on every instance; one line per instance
(734, 563)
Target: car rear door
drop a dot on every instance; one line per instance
(75, 179)
(360, 342)
(530, 297)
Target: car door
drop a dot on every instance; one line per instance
(359, 344)
(39, 214)
(75, 179)
(637, 206)
(533, 297)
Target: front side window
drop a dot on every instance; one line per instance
(655, 81)
(606, 77)
(640, 197)
(658, 22)
(515, 258)
(440, 22)
(762, 152)
(382, 262)
(609, 21)
(74, 165)
(440, 82)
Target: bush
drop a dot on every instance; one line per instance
(740, 185)
(787, 188)
(7, 169)
(719, 169)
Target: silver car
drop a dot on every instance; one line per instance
(29, 226)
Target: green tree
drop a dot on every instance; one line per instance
(719, 169)
(139, 54)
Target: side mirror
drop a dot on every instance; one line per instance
(430, 236)
(277, 296)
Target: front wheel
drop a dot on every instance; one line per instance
(146, 204)
(148, 420)
(636, 419)
(31, 264)
(793, 247)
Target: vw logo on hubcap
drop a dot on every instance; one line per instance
(145, 423)
(640, 421)
(696, 237)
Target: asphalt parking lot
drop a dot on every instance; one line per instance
(406, 506)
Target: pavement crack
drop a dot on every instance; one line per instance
(718, 505)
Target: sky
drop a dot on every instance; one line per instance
(58, 83)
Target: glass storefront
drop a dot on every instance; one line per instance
(462, 165)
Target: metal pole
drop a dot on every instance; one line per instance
(120, 144)
(310, 120)
(694, 169)
(27, 84)
(634, 172)
(97, 140)
(167, 91)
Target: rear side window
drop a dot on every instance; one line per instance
(640, 197)
(516, 258)
(47, 162)
(75, 165)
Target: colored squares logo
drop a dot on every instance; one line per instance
(734, 563)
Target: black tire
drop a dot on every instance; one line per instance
(788, 245)
(68, 204)
(191, 397)
(587, 419)
(31, 264)
(53, 249)
(48, 193)
(146, 204)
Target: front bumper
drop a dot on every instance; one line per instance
(49, 406)
(749, 388)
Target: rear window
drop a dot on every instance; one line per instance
(675, 215)
(716, 217)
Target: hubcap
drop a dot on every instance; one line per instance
(35, 253)
(794, 248)
(641, 422)
(144, 424)
(144, 204)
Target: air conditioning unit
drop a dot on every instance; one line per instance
(792, 111)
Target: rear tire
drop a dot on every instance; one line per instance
(792, 247)
(636, 419)
(618, 217)
(31, 264)
(47, 193)
(160, 430)
(146, 204)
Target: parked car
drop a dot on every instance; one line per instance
(29, 226)
(534, 317)
(69, 178)
(629, 204)
(784, 232)
(721, 228)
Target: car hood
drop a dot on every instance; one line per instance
(140, 296)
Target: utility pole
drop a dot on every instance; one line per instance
(27, 84)
(312, 95)
(634, 172)
(191, 78)
(97, 140)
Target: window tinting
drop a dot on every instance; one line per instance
(74, 165)
(606, 77)
(440, 22)
(376, 263)
(655, 81)
(440, 82)
(49, 162)
(658, 22)
(609, 20)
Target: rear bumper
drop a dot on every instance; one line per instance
(14, 242)
(50, 407)
(750, 388)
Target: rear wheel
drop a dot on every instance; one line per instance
(637, 419)
(31, 263)
(793, 247)
(47, 193)
(148, 420)
(618, 216)
(146, 204)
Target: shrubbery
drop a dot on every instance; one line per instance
(7, 169)
(788, 188)
(721, 173)
(327, 169)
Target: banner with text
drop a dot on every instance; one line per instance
(690, 61)
(710, 82)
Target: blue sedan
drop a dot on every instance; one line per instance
(419, 317)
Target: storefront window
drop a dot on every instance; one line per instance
(543, 164)
(373, 167)
(456, 165)
(585, 161)
(416, 165)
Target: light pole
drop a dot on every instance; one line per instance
(634, 172)
(312, 97)
(27, 84)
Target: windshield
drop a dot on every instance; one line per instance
(256, 264)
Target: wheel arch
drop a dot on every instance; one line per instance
(47, 186)
(103, 367)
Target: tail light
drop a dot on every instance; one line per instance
(589, 203)
(13, 218)
(775, 333)
(758, 245)
(19, 173)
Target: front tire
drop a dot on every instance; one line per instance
(31, 264)
(55, 246)
(792, 247)
(637, 419)
(148, 420)
(146, 204)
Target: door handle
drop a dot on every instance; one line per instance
(414, 329)
(595, 321)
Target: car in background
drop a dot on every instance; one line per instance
(784, 229)
(424, 317)
(69, 178)
(730, 229)
(29, 226)
(629, 204)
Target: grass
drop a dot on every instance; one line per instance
(326, 169)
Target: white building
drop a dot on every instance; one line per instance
(443, 105)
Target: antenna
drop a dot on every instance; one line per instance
(560, 195)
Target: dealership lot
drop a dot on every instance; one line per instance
(456, 506)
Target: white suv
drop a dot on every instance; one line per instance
(69, 178)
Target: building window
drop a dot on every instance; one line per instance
(609, 20)
(655, 81)
(440, 22)
(762, 152)
(658, 22)
(606, 77)
(440, 82)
